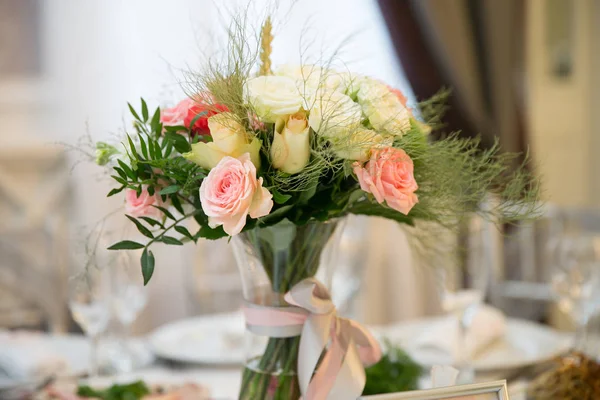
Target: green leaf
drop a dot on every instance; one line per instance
(119, 179)
(280, 198)
(157, 154)
(169, 189)
(395, 372)
(129, 391)
(378, 210)
(171, 240)
(177, 203)
(151, 149)
(143, 146)
(132, 147)
(144, 110)
(355, 196)
(179, 142)
(306, 195)
(155, 124)
(152, 222)
(151, 190)
(168, 148)
(143, 230)
(134, 113)
(184, 231)
(276, 215)
(207, 232)
(115, 191)
(147, 261)
(126, 245)
(166, 212)
(127, 170)
(121, 173)
(176, 128)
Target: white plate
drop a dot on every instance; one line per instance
(525, 343)
(74, 349)
(212, 339)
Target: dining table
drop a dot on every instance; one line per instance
(167, 347)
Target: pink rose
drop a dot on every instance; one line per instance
(388, 175)
(175, 116)
(142, 206)
(399, 95)
(231, 191)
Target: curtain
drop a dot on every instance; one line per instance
(474, 47)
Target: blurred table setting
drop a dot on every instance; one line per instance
(482, 341)
(208, 351)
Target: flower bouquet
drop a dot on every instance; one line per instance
(276, 156)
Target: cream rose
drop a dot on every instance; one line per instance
(273, 97)
(382, 107)
(333, 114)
(231, 192)
(358, 144)
(290, 150)
(229, 139)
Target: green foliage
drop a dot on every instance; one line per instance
(141, 228)
(147, 261)
(126, 245)
(130, 391)
(395, 372)
(432, 110)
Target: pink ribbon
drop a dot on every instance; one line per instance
(347, 345)
(273, 321)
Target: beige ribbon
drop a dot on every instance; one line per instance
(347, 346)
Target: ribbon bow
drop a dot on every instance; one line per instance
(341, 374)
(348, 346)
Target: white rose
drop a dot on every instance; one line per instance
(290, 150)
(333, 114)
(309, 78)
(383, 109)
(273, 96)
(352, 83)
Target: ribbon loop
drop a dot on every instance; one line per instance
(347, 346)
(311, 295)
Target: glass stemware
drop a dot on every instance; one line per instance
(89, 295)
(575, 278)
(129, 297)
(463, 290)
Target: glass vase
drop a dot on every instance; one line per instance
(272, 260)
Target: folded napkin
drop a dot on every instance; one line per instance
(24, 355)
(441, 344)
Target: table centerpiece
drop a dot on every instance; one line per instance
(275, 157)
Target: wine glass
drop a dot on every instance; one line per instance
(89, 295)
(575, 278)
(129, 297)
(463, 290)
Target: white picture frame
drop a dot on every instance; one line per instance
(496, 390)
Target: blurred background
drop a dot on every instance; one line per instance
(524, 72)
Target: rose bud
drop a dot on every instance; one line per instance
(290, 150)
